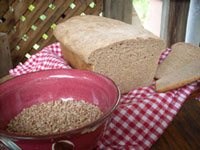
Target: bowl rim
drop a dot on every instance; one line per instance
(70, 132)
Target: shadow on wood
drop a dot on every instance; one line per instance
(5, 58)
(184, 131)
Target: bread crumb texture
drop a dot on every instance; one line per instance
(184, 75)
(182, 53)
(128, 54)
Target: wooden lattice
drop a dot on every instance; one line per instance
(29, 23)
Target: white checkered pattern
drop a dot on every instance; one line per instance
(142, 115)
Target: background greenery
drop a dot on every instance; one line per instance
(141, 7)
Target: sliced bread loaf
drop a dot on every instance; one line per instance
(128, 54)
(181, 54)
(184, 75)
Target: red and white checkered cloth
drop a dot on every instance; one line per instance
(142, 115)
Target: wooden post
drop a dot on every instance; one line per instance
(174, 21)
(193, 23)
(118, 9)
(5, 57)
(4, 6)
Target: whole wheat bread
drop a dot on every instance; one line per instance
(184, 75)
(128, 54)
(181, 54)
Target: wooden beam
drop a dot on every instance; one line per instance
(5, 58)
(5, 78)
(118, 9)
(193, 23)
(174, 21)
(4, 6)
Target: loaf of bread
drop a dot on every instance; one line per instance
(128, 54)
(182, 53)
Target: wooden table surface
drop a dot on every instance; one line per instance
(184, 131)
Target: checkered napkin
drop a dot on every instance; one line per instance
(142, 115)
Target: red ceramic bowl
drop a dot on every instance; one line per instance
(34, 88)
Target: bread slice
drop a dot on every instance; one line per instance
(128, 54)
(182, 76)
(181, 54)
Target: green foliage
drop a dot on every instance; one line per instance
(141, 7)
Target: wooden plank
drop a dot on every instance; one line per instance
(96, 10)
(5, 78)
(118, 9)
(9, 20)
(183, 132)
(51, 39)
(42, 43)
(5, 58)
(174, 21)
(21, 8)
(12, 4)
(70, 12)
(24, 27)
(43, 27)
(4, 6)
(82, 7)
(35, 37)
(13, 18)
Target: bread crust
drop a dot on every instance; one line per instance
(125, 53)
(74, 60)
(175, 86)
(85, 34)
(187, 74)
